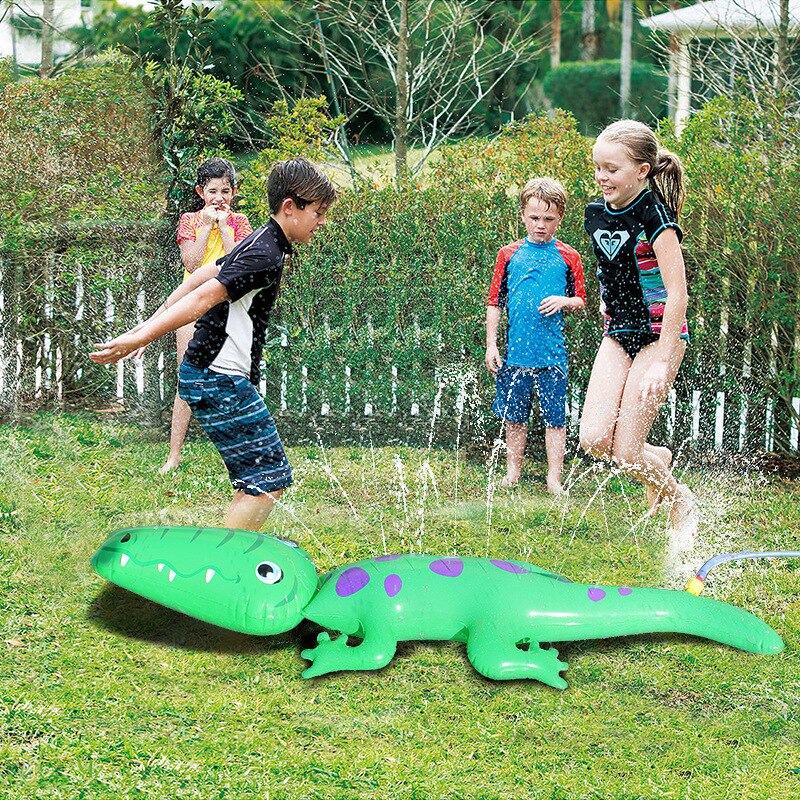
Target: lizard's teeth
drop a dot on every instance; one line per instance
(123, 559)
(171, 575)
(160, 567)
(210, 573)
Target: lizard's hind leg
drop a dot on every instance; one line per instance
(497, 656)
(334, 655)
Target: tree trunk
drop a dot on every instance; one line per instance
(589, 38)
(672, 85)
(781, 67)
(401, 111)
(555, 38)
(625, 58)
(48, 13)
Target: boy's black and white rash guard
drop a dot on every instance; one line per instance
(229, 338)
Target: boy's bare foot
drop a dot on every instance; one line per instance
(683, 520)
(170, 465)
(655, 496)
(508, 482)
(554, 486)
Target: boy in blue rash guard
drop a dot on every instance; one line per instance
(535, 279)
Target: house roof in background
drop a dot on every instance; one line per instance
(719, 17)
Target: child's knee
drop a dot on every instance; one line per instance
(595, 443)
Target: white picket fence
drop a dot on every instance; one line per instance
(451, 392)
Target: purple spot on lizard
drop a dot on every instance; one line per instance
(449, 567)
(509, 567)
(596, 594)
(624, 590)
(351, 581)
(393, 584)
(385, 558)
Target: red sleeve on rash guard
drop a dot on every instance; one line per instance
(575, 283)
(498, 291)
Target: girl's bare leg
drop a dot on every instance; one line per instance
(181, 413)
(516, 438)
(630, 450)
(654, 496)
(603, 398)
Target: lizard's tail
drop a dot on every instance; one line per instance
(666, 611)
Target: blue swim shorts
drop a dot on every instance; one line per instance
(232, 413)
(515, 392)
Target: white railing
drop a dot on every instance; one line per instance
(724, 418)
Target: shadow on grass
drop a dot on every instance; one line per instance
(126, 614)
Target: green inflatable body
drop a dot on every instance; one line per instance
(503, 610)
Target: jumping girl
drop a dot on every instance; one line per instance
(205, 234)
(636, 239)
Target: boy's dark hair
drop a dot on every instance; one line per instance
(301, 180)
(209, 169)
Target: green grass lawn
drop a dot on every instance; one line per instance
(106, 695)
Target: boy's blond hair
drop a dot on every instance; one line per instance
(548, 190)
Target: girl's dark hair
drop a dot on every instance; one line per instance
(301, 180)
(666, 172)
(212, 168)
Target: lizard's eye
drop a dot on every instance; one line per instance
(268, 573)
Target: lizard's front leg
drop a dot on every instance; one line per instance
(333, 655)
(495, 654)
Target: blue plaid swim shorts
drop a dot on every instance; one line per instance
(233, 414)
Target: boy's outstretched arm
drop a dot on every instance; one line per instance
(186, 304)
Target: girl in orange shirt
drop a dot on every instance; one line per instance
(205, 234)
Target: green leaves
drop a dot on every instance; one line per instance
(302, 129)
(192, 111)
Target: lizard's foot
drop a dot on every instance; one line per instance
(504, 663)
(333, 655)
(327, 656)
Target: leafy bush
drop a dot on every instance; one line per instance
(6, 72)
(305, 129)
(76, 147)
(742, 160)
(590, 91)
(192, 111)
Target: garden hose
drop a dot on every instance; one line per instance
(696, 584)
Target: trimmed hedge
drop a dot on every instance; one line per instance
(77, 147)
(591, 89)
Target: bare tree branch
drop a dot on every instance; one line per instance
(456, 56)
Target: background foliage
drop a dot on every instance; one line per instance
(590, 91)
(399, 277)
(253, 45)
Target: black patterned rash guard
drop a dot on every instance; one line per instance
(631, 286)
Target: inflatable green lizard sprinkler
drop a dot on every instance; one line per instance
(503, 610)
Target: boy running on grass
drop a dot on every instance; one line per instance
(535, 279)
(231, 300)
